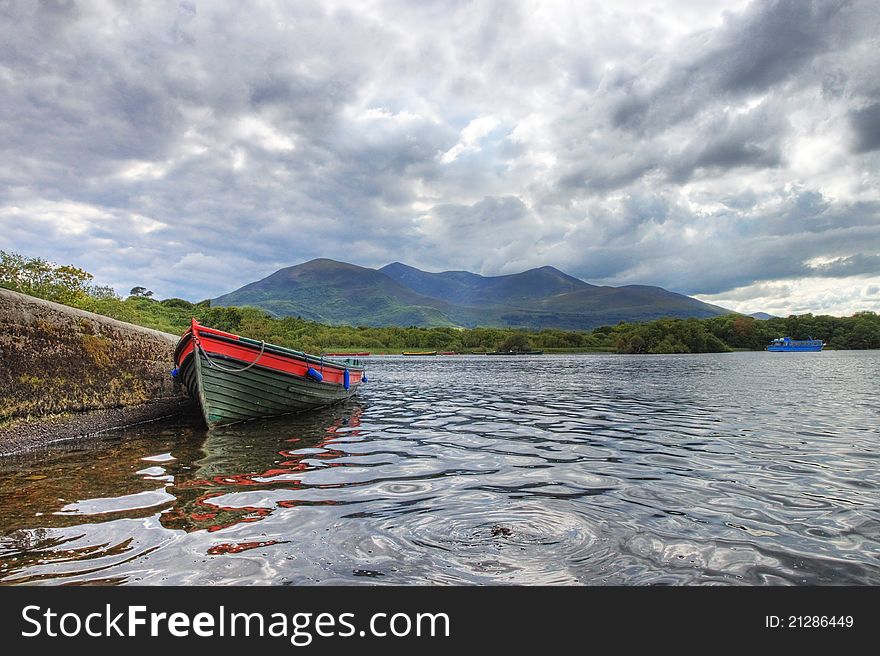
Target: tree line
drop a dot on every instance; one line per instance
(73, 286)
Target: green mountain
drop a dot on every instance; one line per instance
(399, 295)
(333, 292)
(548, 298)
(471, 289)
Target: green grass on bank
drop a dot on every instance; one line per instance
(72, 286)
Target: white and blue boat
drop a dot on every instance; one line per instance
(787, 345)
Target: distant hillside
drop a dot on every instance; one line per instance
(465, 288)
(333, 292)
(548, 298)
(761, 316)
(399, 295)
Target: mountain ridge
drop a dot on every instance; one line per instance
(397, 294)
(466, 288)
(328, 291)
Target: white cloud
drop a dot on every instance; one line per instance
(838, 296)
(712, 148)
(259, 131)
(471, 135)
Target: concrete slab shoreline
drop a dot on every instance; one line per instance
(66, 373)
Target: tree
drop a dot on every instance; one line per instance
(221, 318)
(140, 292)
(38, 277)
(517, 343)
(103, 293)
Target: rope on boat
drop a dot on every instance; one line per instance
(230, 370)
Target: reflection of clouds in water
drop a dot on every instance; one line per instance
(156, 474)
(151, 471)
(135, 501)
(112, 551)
(162, 457)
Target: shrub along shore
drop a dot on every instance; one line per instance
(72, 286)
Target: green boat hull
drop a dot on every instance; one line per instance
(227, 396)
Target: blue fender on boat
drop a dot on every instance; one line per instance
(346, 379)
(174, 372)
(364, 378)
(314, 373)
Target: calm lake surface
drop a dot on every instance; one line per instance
(738, 468)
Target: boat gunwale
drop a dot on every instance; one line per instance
(231, 360)
(207, 334)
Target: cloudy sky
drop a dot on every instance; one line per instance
(728, 150)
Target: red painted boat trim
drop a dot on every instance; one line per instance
(220, 344)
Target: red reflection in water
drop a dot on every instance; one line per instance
(194, 510)
(228, 547)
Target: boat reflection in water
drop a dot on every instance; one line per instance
(271, 455)
(172, 477)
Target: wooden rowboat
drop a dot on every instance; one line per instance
(419, 353)
(235, 378)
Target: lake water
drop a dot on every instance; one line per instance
(738, 468)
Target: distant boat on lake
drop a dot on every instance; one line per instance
(235, 378)
(787, 345)
(419, 353)
(352, 354)
(515, 353)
